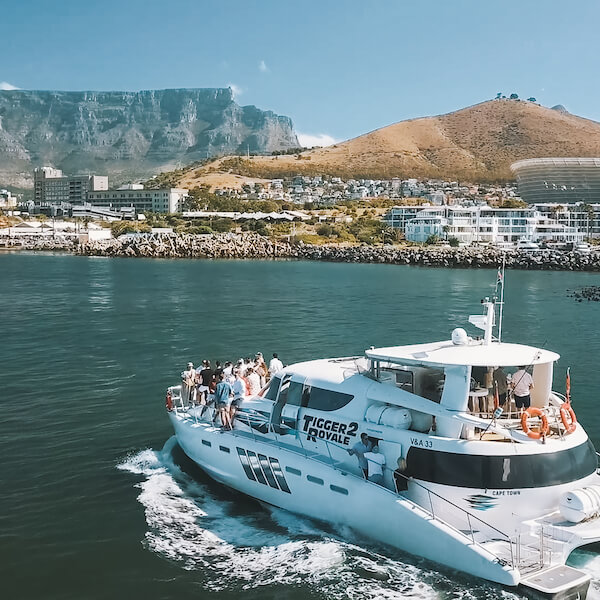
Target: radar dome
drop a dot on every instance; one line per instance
(460, 337)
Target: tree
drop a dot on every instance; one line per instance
(498, 95)
(453, 241)
(514, 96)
(532, 99)
(432, 240)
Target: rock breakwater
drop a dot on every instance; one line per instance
(251, 245)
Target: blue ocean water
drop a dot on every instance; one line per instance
(97, 499)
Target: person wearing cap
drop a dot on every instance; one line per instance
(188, 384)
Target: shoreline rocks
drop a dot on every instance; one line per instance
(590, 293)
(254, 246)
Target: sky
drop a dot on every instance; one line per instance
(338, 68)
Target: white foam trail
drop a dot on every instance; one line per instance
(189, 524)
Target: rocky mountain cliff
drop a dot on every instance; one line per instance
(129, 134)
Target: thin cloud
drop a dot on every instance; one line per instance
(262, 67)
(4, 85)
(309, 140)
(236, 90)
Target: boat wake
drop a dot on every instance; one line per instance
(234, 543)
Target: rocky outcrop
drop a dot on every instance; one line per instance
(129, 134)
(251, 245)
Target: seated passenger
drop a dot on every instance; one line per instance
(359, 450)
(375, 462)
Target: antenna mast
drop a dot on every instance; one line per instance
(501, 280)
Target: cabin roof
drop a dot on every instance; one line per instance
(475, 354)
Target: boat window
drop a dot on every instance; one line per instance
(283, 391)
(295, 395)
(313, 479)
(271, 393)
(206, 443)
(224, 449)
(327, 400)
(502, 472)
(400, 378)
(293, 471)
(338, 489)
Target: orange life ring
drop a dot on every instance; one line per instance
(169, 401)
(534, 412)
(566, 410)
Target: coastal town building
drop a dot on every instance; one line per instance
(169, 200)
(7, 200)
(323, 191)
(481, 223)
(52, 186)
(558, 180)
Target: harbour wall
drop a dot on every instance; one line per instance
(254, 246)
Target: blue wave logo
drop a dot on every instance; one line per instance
(481, 502)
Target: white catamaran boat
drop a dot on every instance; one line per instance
(499, 495)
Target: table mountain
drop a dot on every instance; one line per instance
(129, 134)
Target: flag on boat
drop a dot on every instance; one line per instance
(500, 278)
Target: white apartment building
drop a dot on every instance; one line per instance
(7, 200)
(480, 224)
(160, 201)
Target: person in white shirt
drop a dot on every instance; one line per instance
(188, 384)
(239, 391)
(375, 463)
(522, 384)
(275, 365)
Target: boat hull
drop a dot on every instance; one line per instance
(310, 486)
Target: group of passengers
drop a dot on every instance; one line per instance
(225, 385)
(508, 387)
(372, 463)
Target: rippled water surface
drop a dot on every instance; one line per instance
(98, 501)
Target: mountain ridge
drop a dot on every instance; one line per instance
(475, 143)
(129, 134)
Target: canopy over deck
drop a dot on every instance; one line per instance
(474, 354)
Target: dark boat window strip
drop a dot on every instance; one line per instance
(224, 449)
(206, 443)
(260, 476)
(339, 490)
(266, 467)
(502, 472)
(245, 464)
(293, 471)
(279, 475)
(315, 479)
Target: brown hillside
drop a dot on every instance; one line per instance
(476, 143)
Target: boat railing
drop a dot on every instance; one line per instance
(437, 507)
